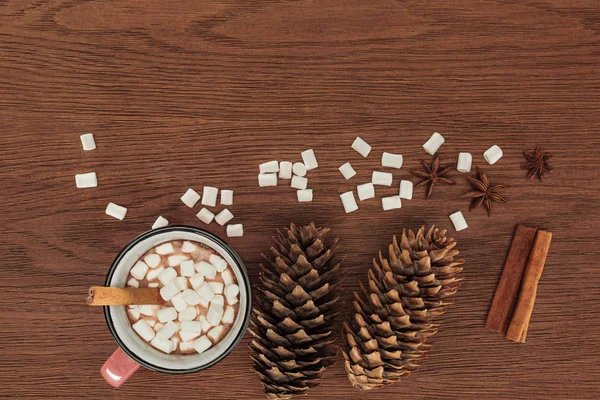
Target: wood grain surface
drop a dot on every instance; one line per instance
(191, 93)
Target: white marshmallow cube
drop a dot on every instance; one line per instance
(138, 271)
(191, 297)
(231, 292)
(206, 294)
(190, 198)
(217, 287)
(163, 345)
(153, 260)
(391, 203)
(205, 324)
(382, 178)
(174, 343)
(134, 312)
(191, 327)
(269, 167)
(365, 191)
(151, 322)
(227, 277)
(349, 202)
(218, 299)
(459, 221)
(299, 169)
(228, 315)
(181, 282)
(309, 159)
(209, 196)
(87, 141)
(88, 180)
(202, 344)
(224, 217)
(165, 248)
(153, 284)
(227, 197)
(145, 331)
(157, 326)
(219, 263)
(305, 195)
(187, 268)
(235, 230)
(196, 281)
(205, 216)
(165, 315)
(265, 180)
(160, 222)
(169, 291)
(215, 333)
(116, 211)
(148, 310)
(133, 283)
(433, 144)
(186, 347)
(406, 190)
(167, 331)
(285, 170)
(214, 314)
(391, 160)
(189, 314)
(361, 147)
(206, 269)
(178, 302)
(153, 273)
(187, 336)
(167, 275)
(347, 171)
(188, 247)
(176, 260)
(464, 162)
(299, 182)
(493, 154)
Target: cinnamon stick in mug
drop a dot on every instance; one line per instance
(116, 296)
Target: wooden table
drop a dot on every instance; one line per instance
(193, 93)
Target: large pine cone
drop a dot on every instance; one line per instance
(294, 311)
(387, 335)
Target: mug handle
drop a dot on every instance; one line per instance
(118, 368)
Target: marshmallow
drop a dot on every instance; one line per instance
(132, 306)
(433, 144)
(169, 291)
(187, 268)
(186, 347)
(188, 247)
(217, 287)
(347, 171)
(148, 310)
(151, 322)
(493, 154)
(228, 315)
(205, 324)
(174, 343)
(218, 299)
(459, 221)
(349, 202)
(88, 180)
(134, 313)
(209, 196)
(309, 159)
(166, 314)
(206, 293)
(406, 189)
(133, 283)
(231, 292)
(464, 162)
(165, 248)
(116, 211)
(391, 160)
(153, 260)
(153, 273)
(206, 269)
(267, 180)
(189, 314)
(190, 198)
(179, 303)
(196, 281)
(157, 326)
(285, 170)
(361, 147)
(187, 336)
(163, 345)
(227, 277)
(153, 284)
(167, 276)
(202, 344)
(219, 263)
(191, 297)
(138, 271)
(142, 328)
(235, 230)
(382, 178)
(214, 314)
(160, 222)
(215, 333)
(87, 141)
(227, 197)
(205, 216)
(176, 260)
(167, 331)
(391, 203)
(299, 169)
(305, 195)
(299, 182)
(365, 191)
(269, 167)
(181, 282)
(224, 217)
(191, 327)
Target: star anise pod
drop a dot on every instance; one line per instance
(434, 173)
(485, 193)
(537, 163)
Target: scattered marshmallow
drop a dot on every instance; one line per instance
(138, 271)
(219, 262)
(209, 196)
(218, 299)
(365, 191)
(269, 167)
(206, 269)
(433, 144)
(391, 160)
(188, 247)
(215, 333)
(231, 292)
(189, 314)
(186, 268)
(202, 344)
(382, 178)
(153, 273)
(217, 287)
(169, 291)
(167, 275)
(87, 141)
(493, 154)
(235, 230)
(361, 147)
(186, 347)
(181, 282)
(116, 211)
(196, 281)
(464, 162)
(214, 314)
(285, 170)
(165, 315)
(190, 198)
(167, 331)
(88, 180)
(191, 297)
(224, 217)
(176, 260)
(267, 180)
(205, 324)
(163, 345)
(391, 203)
(299, 182)
(165, 248)
(187, 336)
(144, 330)
(133, 283)
(406, 190)
(309, 159)
(347, 171)
(160, 222)
(459, 221)
(205, 216)
(153, 260)
(179, 303)
(305, 195)
(227, 197)
(206, 293)
(134, 312)
(153, 284)
(349, 202)
(228, 315)
(191, 327)
(299, 169)
(148, 310)
(227, 277)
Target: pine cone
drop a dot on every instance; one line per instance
(294, 311)
(387, 336)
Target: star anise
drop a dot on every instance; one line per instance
(537, 163)
(434, 173)
(485, 193)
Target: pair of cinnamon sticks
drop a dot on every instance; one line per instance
(516, 292)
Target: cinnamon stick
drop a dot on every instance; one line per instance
(510, 281)
(519, 324)
(115, 296)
